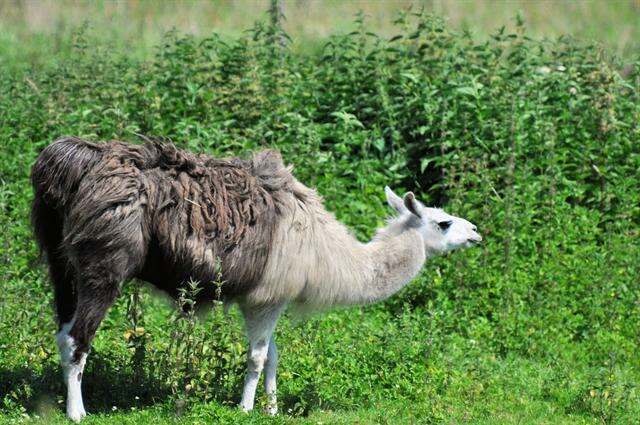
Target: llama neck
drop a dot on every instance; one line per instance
(353, 273)
(394, 260)
(318, 262)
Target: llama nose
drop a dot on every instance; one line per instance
(475, 240)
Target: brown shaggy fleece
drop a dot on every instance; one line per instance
(106, 212)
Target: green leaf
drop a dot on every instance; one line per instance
(424, 162)
(379, 144)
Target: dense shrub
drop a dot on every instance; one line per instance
(535, 141)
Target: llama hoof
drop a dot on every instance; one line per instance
(245, 409)
(76, 415)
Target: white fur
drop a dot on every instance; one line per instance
(461, 233)
(72, 372)
(316, 262)
(260, 324)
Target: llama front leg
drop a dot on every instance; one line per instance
(270, 368)
(72, 369)
(260, 323)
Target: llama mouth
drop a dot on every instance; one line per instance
(474, 241)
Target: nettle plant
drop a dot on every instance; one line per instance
(204, 359)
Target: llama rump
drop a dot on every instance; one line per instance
(104, 213)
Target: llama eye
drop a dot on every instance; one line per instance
(444, 225)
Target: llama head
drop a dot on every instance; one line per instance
(440, 231)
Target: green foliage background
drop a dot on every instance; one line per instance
(537, 142)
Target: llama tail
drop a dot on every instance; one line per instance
(55, 177)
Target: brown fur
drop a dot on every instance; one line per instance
(107, 212)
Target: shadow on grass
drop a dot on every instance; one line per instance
(106, 383)
(109, 381)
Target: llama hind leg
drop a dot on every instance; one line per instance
(260, 324)
(74, 339)
(97, 286)
(63, 279)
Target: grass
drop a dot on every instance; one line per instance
(459, 382)
(533, 140)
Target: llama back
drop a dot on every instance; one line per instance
(206, 211)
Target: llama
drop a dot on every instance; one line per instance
(104, 213)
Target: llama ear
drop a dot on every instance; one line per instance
(394, 200)
(411, 204)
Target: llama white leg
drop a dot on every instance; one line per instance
(270, 368)
(72, 372)
(260, 325)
